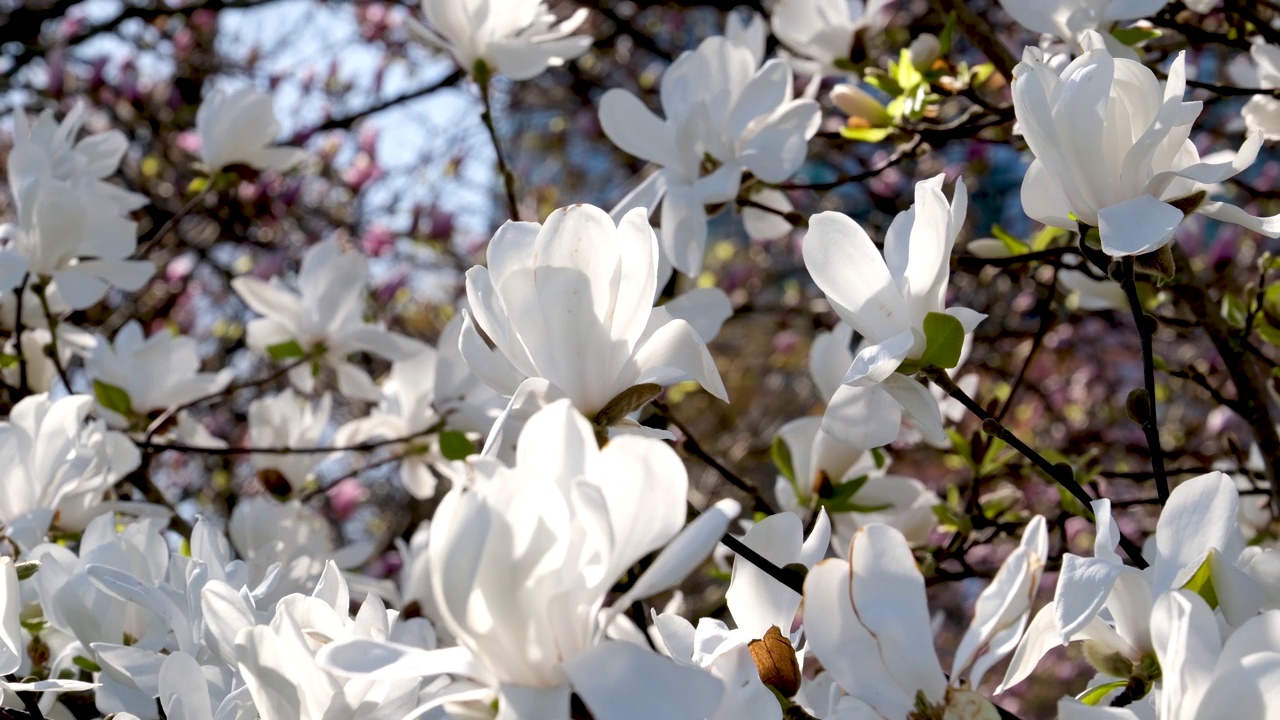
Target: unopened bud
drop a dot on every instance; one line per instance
(1138, 406)
(776, 662)
(860, 106)
(26, 568)
(924, 51)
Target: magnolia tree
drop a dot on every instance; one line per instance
(810, 359)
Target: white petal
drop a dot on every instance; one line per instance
(1137, 226)
(622, 681)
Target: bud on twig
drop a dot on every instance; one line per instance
(776, 662)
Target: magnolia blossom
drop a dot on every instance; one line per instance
(1069, 20)
(1262, 111)
(155, 373)
(323, 321)
(820, 462)
(13, 651)
(1112, 150)
(724, 652)
(237, 127)
(724, 114)
(887, 300)
(288, 421)
(1204, 675)
(821, 33)
(868, 622)
(57, 462)
(431, 388)
(521, 563)
(516, 38)
(1198, 532)
(71, 226)
(568, 307)
(756, 600)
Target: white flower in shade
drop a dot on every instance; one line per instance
(266, 532)
(1261, 70)
(238, 127)
(1068, 20)
(1203, 675)
(756, 600)
(867, 620)
(58, 463)
(568, 306)
(822, 463)
(1112, 150)
(13, 650)
(71, 226)
(288, 421)
(889, 300)
(523, 560)
(430, 389)
(156, 373)
(1198, 533)
(324, 320)
(821, 33)
(516, 38)
(1090, 294)
(724, 114)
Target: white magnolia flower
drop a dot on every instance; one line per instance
(13, 650)
(238, 127)
(820, 461)
(1203, 675)
(867, 620)
(288, 421)
(421, 392)
(724, 114)
(323, 320)
(1198, 531)
(1068, 20)
(516, 38)
(156, 373)
(266, 532)
(821, 33)
(71, 226)
(1112, 150)
(521, 564)
(1260, 70)
(57, 461)
(568, 305)
(887, 300)
(278, 660)
(723, 652)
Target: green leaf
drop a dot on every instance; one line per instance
(866, 134)
(454, 445)
(883, 83)
(1013, 244)
(781, 455)
(285, 350)
(1132, 36)
(944, 336)
(879, 457)
(948, 32)
(1233, 311)
(1268, 332)
(1094, 695)
(112, 398)
(85, 663)
(1201, 583)
(1071, 504)
(960, 446)
(981, 73)
(904, 72)
(7, 361)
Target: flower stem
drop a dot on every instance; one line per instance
(1150, 427)
(1060, 473)
(42, 293)
(508, 180)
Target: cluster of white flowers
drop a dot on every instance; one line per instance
(521, 597)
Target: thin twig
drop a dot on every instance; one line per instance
(41, 291)
(1061, 474)
(145, 246)
(1150, 425)
(508, 180)
(285, 449)
(691, 445)
(24, 386)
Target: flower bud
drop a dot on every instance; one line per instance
(776, 662)
(862, 109)
(924, 51)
